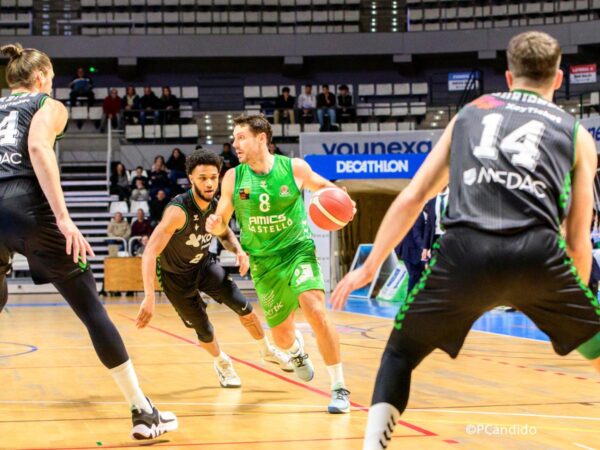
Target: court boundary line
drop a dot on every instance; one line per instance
(411, 426)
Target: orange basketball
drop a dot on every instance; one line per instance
(330, 209)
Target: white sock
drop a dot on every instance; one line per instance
(263, 345)
(380, 426)
(222, 357)
(296, 349)
(125, 377)
(336, 375)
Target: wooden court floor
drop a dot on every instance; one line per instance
(501, 392)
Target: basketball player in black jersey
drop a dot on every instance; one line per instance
(34, 221)
(178, 253)
(518, 166)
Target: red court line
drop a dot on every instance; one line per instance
(150, 443)
(423, 431)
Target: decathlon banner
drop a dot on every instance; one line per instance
(365, 166)
(368, 143)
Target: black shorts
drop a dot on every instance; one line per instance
(474, 271)
(183, 291)
(28, 226)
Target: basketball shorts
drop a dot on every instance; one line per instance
(280, 279)
(473, 271)
(28, 226)
(183, 291)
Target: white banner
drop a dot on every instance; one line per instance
(582, 74)
(368, 143)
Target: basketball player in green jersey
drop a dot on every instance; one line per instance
(266, 193)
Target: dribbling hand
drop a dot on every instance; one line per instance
(353, 202)
(76, 243)
(213, 223)
(242, 260)
(145, 313)
(352, 281)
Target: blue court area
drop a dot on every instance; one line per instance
(499, 322)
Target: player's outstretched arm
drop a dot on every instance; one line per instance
(173, 219)
(579, 219)
(401, 215)
(231, 244)
(216, 224)
(47, 123)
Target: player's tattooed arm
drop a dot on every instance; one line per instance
(230, 242)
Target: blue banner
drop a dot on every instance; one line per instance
(365, 166)
(457, 81)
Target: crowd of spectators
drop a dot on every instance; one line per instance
(308, 107)
(131, 108)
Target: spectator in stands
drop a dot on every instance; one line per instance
(346, 109)
(150, 105)
(157, 206)
(159, 177)
(118, 228)
(140, 193)
(142, 247)
(326, 105)
(141, 225)
(131, 106)
(81, 86)
(274, 150)
(307, 104)
(229, 157)
(111, 110)
(139, 175)
(170, 104)
(176, 166)
(119, 182)
(284, 107)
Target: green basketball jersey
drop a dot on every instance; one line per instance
(269, 208)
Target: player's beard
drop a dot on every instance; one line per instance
(202, 196)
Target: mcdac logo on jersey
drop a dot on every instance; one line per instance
(11, 158)
(511, 180)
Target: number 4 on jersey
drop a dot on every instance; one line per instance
(522, 142)
(9, 130)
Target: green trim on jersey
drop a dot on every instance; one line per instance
(43, 100)
(568, 261)
(526, 91)
(575, 131)
(186, 215)
(418, 288)
(203, 212)
(159, 272)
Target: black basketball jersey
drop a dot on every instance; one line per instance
(16, 113)
(189, 245)
(510, 163)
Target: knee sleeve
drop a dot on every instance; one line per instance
(591, 349)
(205, 333)
(80, 292)
(401, 356)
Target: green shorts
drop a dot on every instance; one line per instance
(280, 279)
